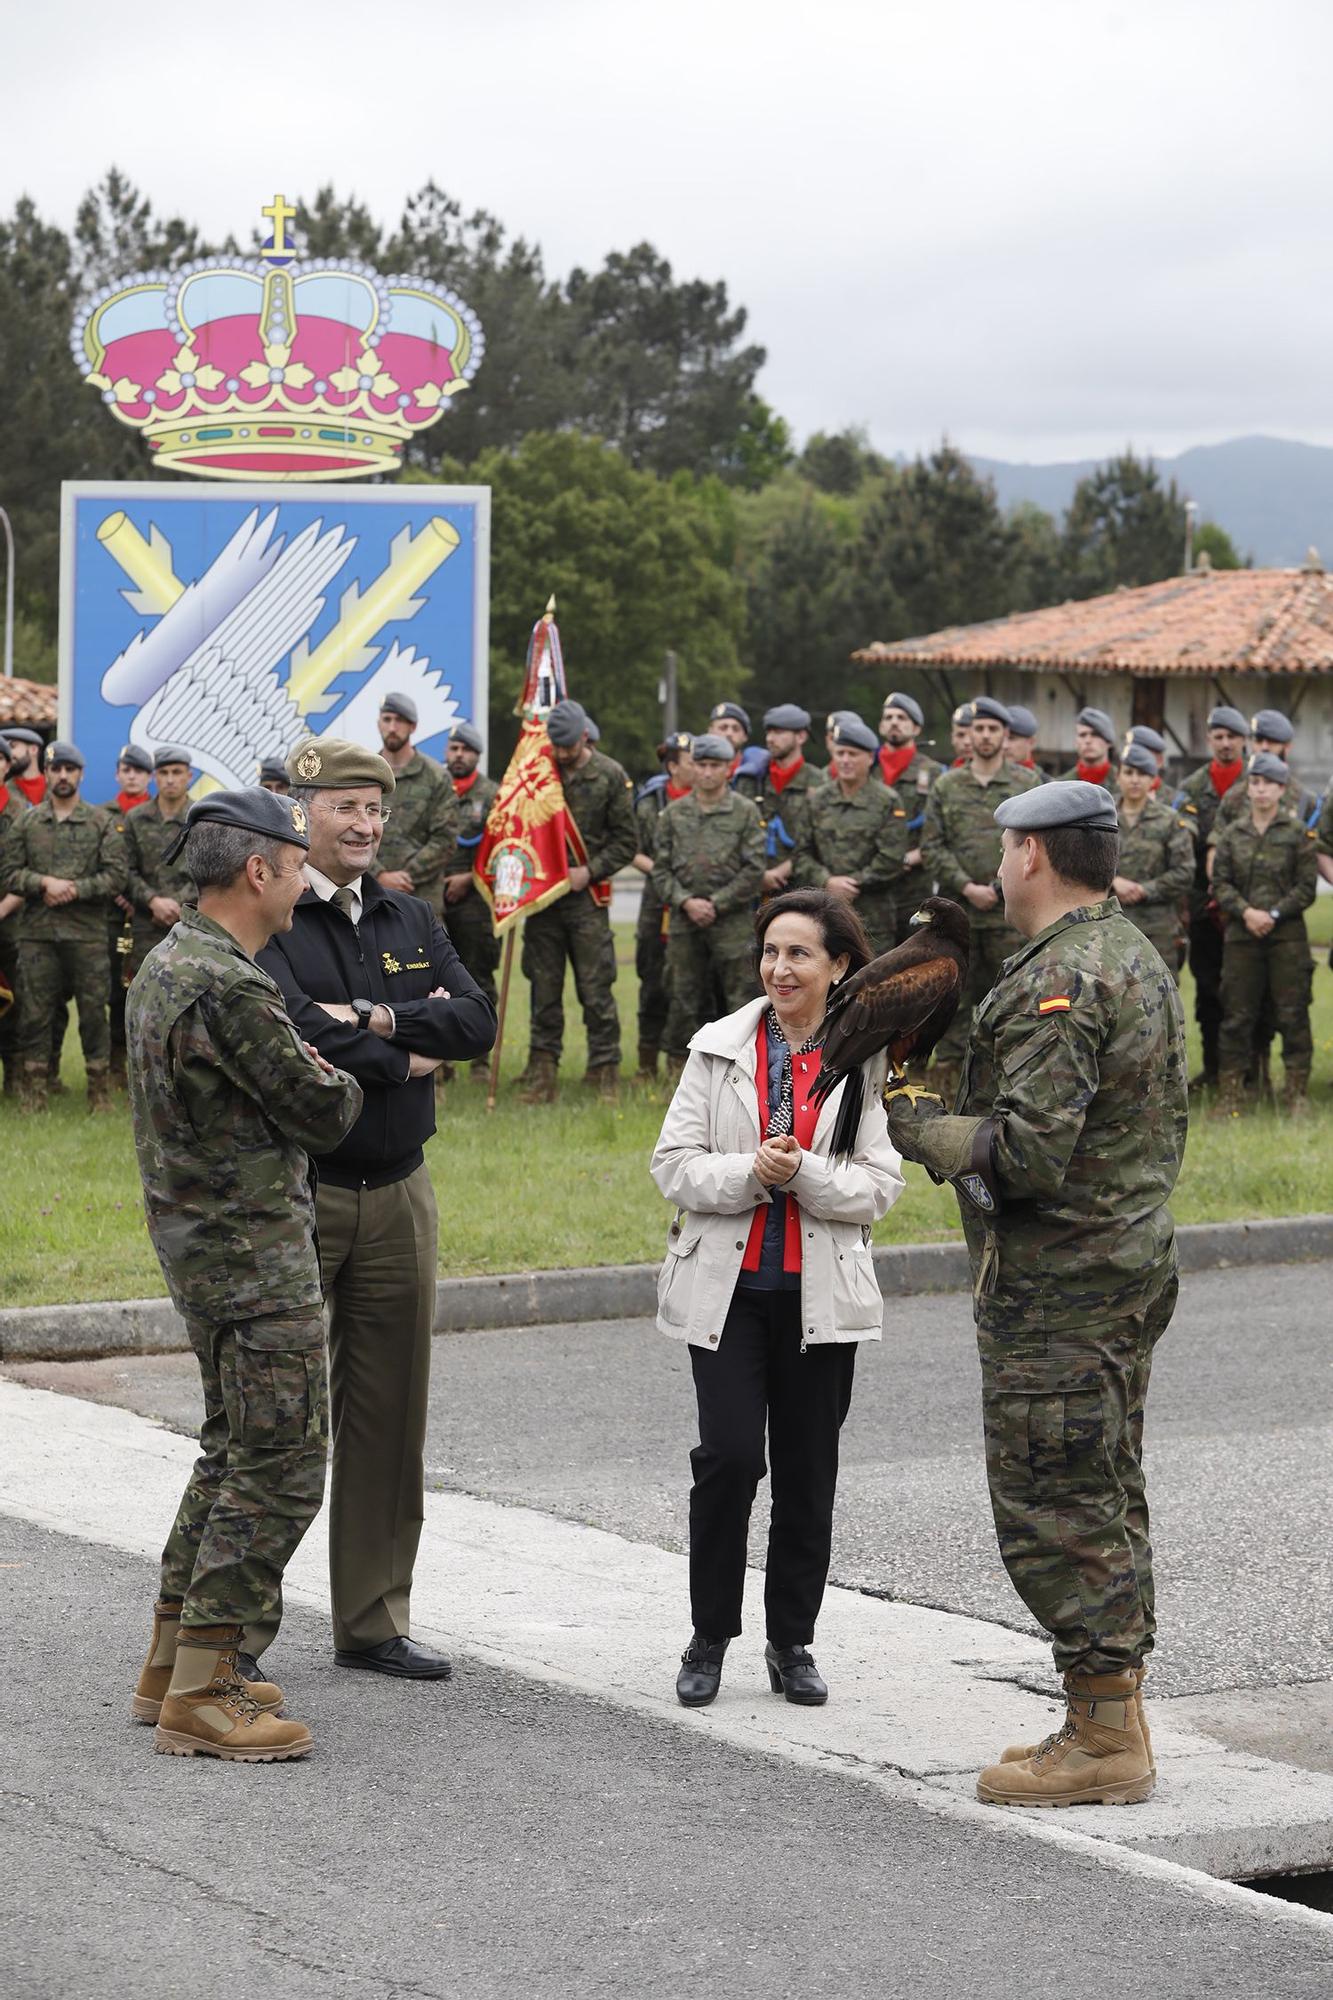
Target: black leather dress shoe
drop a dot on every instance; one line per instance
(402, 1657)
(793, 1673)
(700, 1674)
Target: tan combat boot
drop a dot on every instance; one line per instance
(1231, 1095)
(1098, 1758)
(118, 1070)
(1295, 1092)
(1017, 1753)
(99, 1087)
(208, 1710)
(647, 1070)
(671, 1071)
(155, 1674)
(32, 1087)
(604, 1078)
(542, 1085)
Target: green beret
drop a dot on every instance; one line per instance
(331, 763)
(254, 811)
(1066, 802)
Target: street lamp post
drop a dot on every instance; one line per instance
(9, 596)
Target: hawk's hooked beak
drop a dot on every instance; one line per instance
(921, 917)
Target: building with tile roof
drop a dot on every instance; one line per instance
(31, 703)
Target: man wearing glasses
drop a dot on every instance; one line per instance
(373, 983)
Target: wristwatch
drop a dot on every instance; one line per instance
(1276, 915)
(363, 1009)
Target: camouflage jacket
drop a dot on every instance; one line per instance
(650, 802)
(600, 798)
(422, 829)
(960, 842)
(718, 854)
(1324, 830)
(226, 1103)
(1197, 804)
(470, 810)
(864, 836)
(1273, 870)
(1296, 799)
(913, 785)
(86, 848)
(148, 833)
(1158, 854)
(783, 812)
(1078, 1054)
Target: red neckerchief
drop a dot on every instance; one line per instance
(806, 1115)
(1224, 776)
(780, 776)
(678, 791)
(33, 789)
(462, 786)
(894, 762)
(1028, 763)
(1093, 774)
(733, 767)
(959, 762)
(127, 801)
(4, 797)
(1157, 782)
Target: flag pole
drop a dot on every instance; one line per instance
(493, 1082)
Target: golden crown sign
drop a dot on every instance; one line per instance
(270, 367)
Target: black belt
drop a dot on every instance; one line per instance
(337, 1173)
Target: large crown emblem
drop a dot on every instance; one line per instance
(271, 367)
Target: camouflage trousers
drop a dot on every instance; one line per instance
(259, 1480)
(991, 945)
(1205, 961)
(703, 967)
(575, 931)
(1266, 979)
(49, 975)
(1063, 1416)
(9, 969)
(469, 926)
(650, 964)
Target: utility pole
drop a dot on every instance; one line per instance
(666, 694)
(9, 597)
(1191, 509)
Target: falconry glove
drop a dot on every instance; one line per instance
(958, 1150)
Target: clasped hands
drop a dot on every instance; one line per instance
(777, 1160)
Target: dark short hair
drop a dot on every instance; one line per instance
(839, 925)
(216, 854)
(1083, 856)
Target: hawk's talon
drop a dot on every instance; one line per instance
(913, 1092)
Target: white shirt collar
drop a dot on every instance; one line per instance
(324, 889)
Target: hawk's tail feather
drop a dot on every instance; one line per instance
(848, 1122)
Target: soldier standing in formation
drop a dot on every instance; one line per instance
(1264, 879)
(1021, 747)
(708, 868)
(1156, 863)
(226, 1101)
(788, 783)
(1148, 739)
(12, 807)
(273, 775)
(1094, 739)
(158, 889)
(413, 854)
(1272, 735)
(853, 836)
(466, 914)
(672, 782)
(960, 734)
(1197, 803)
(905, 767)
(748, 763)
(134, 770)
(26, 774)
(1073, 1100)
(576, 929)
(961, 850)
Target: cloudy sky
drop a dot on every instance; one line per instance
(1045, 228)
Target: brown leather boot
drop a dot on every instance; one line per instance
(604, 1078)
(542, 1084)
(1099, 1757)
(117, 1070)
(1232, 1097)
(647, 1070)
(1296, 1092)
(99, 1087)
(1017, 1753)
(155, 1674)
(208, 1709)
(671, 1070)
(32, 1086)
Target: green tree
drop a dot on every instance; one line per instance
(802, 620)
(839, 462)
(1038, 571)
(1214, 542)
(1123, 526)
(934, 550)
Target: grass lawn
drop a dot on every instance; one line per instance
(524, 1189)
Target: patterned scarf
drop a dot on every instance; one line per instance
(782, 1121)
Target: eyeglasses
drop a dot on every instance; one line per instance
(377, 815)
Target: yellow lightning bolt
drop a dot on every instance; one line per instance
(412, 558)
(148, 564)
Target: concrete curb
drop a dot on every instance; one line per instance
(613, 1291)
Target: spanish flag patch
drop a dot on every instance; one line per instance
(1059, 1003)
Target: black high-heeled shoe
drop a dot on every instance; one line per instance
(700, 1673)
(793, 1673)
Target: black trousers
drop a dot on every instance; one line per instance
(757, 1374)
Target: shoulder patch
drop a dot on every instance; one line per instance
(1059, 1003)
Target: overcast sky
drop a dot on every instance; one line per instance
(1043, 227)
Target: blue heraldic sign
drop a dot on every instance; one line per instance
(236, 622)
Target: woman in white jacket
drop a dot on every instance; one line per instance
(768, 1275)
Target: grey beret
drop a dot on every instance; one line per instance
(712, 749)
(1273, 724)
(1065, 802)
(137, 759)
(1229, 718)
(1097, 720)
(1022, 722)
(986, 709)
(1265, 765)
(729, 711)
(467, 733)
(841, 715)
(1148, 739)
(849, 730)
(787, 715)
(567, 724)
(64, 753)
(331, 763)
(964, 714)
(16, 734)
(171, 753)
(274, 768)
(400, 704)
(5, 751)
(679, 745)
(254, 811)
(594, 733)
(908, 707)
(1138, 757)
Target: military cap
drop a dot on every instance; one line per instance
(840, 715)
(852, 732)
(1265, 765)
(787, 715)
(964, 715)
(1223, 717)
(5, 750)
(1065, 802)
(908, 707)
(274, 768)
(1273, 724)
(729, 711)
(253, 811)
(1098, 721)
(64, 753)
(1138, 757)
(18, 734)
(1022, 722)
(400, 704)
(594, 733)
(567, 724)
(712, 749)
(679, 745)
(986, 709)
(331, 763)
(1148, 739)
(171, 753)
(468, 734)
(137, 759)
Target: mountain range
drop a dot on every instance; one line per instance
(1273, 496)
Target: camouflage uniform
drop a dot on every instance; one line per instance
(1324, 838)
(576, 929)
(650, 932)
(1273, 870)
(63, 951)
(863, 835)
(469, 922)
(13, 809)
(422, 827)
(1297, 799)
(1158, 854)
(961, 843)
(913, 786)
(1075, 1278)
(783, 812)
(1197, 804)
(225, 1101)
(718, 854)
(148, 834)
(119, 948)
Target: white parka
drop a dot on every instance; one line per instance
(704, 1163)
